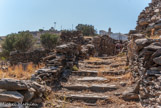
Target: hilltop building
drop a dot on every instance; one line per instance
(116, 36)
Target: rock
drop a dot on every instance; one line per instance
(123, 84)
(156, 10)
(130, 95)
(12, 84)
(154, 46)
(156, 54)
(37, 100)
(11, 96)
(157, 60)
(137, 36)
(141, 43)
(84, 79)
(143, 22)
(153, 72)
(157, 26)
(40, 89)
(29, 95)
(159, 99)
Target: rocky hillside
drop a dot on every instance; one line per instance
(149, 21)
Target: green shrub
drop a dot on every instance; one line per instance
(87, 30)
(22, 41)
(49, 41)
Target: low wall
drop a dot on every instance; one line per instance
(34, 56)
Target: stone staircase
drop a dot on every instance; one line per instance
(94, 87)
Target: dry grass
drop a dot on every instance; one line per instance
(17, 72)
(93, 59)
(154, 37)
(126, 76)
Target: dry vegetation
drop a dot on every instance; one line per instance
(92, 59)
(17, 72)
(154, 37)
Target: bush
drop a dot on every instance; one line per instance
(22, 42)
(49, 41)
(9, 42)
(87, 30)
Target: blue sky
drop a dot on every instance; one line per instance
(18, 15)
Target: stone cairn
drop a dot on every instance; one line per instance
(149, 21)
(144, 57)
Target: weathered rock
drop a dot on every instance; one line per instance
(150, 18)
(130, 95)
(137, 36)
(90, 98)
(156, 54)
(11, 96)
(154, 46)
(28, 95)
(84, 79)
(92, 87)
(12, 84)
(157, 60)
(141, 43)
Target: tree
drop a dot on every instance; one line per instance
(49, 41)
(87, 30)
(41, 30)
(22, 41)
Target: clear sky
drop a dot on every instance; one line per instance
(18, 15)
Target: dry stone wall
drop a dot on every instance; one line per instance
(145, 61)
(25, 57)
(149, 21)
(72, 36)
(104, 45)
(59, 64)
(22, 93)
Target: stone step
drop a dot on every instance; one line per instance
(92, 87)
(92, 79)
(117, 65)
(110, 57)
(97, 62)
(88, 98)
(85, 73)
(96, 73)
(88, 66)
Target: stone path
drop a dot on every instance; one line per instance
(99, 83)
